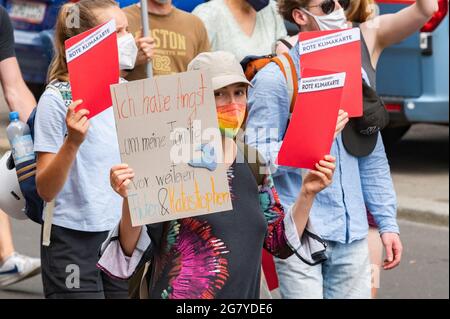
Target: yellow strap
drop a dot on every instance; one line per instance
(24, 177)
(26, 168)
(287, 66)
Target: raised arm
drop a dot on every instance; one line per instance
(53, 165)
(288, 231)
(120, 177)
(17, 95)
(388, 29)
(126, 246)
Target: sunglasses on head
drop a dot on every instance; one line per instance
(328, 6)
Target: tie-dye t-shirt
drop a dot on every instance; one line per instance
(219, 255)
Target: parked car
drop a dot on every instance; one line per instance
(412, 76)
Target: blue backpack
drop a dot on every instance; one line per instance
(26, 172)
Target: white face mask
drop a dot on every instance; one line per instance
(127, 52)
(333, 21)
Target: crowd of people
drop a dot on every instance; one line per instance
(326, 227)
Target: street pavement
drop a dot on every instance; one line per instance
(419, 166)
(423, 273)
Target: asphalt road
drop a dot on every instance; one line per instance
(419, 165)
(423, 273)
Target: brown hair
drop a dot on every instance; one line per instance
(360, 10)
(73, 19)
(285, 8)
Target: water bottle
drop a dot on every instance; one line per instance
(20, 139)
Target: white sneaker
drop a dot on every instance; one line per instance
(17, 268)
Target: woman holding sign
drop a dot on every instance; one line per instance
(219, 255)
(74, 154)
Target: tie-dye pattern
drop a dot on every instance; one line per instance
(198, 267)
(230, 118)
(197, 263)
(275, 241)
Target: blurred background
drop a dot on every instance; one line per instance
(413, 81)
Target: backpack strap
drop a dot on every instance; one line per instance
(287, 67)
(286, 43)
(64, 91)
(253, 159)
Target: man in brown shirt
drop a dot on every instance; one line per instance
(179, 37)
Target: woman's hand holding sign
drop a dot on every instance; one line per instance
(77, 124)
(120, 177)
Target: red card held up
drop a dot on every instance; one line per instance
(313, 123)
(93, 64)
(337, 51)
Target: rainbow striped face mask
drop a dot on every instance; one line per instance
(231, 117)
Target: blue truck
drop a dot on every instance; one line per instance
(413, 75)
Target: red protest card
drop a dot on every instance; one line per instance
(313, 123)
(93, 64)
(338, 51)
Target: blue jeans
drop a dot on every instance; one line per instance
(345, 275)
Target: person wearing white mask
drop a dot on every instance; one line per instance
(311, 15)
(361, 180)
(73, 159)
(331, 21)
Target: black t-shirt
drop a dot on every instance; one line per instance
(6, 36)
(219, 255)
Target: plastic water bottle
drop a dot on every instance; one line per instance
(20, 139)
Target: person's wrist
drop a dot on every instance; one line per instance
(71, 144)
(306, 193)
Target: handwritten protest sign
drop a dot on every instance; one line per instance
(168, 133)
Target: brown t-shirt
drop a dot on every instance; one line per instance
(179, 38)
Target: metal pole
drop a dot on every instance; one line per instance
(146, 31)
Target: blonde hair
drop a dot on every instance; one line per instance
(73, 19)
(360, 10)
